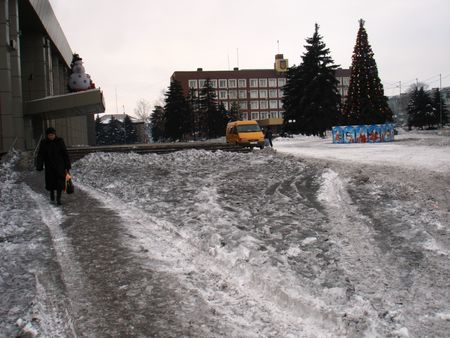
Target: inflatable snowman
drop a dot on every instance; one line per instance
(79, 80)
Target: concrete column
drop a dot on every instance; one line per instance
(6, 123)
(56, 75)
(34, 68)
(16, 76)
(48, 66)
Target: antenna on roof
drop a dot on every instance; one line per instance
(117, 108)
(278, 46)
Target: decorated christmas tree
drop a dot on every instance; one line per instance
(366, 103)
(79, 80)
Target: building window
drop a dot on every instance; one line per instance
(281, 82)
(273, 104)
(201, 83)
(225, 104)
(222, 83)
(255, 115)
(281, 114)
(242, 83)
(253, 83)
(280, 93)
(253, 94)
(273, 114)
(263, 82)
(272, 82)
(346, 81)
(213, 83)
(263, 115)
(223, 95)
(273, 93)
(193, 84)
(254, 104)
(217, 93)
(245, 117)
(243, 105)
(232, 83)
(232, 94)
(242, 94)
(280, 103)
(263, 104)
(263, 93)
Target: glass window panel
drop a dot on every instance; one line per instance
(242, 94)
(242, 83)
(273, 93)
(254, 104)
(192, 83)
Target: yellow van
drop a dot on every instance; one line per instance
(245, 133)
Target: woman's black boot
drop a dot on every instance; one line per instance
(52, 195)
(58, 197)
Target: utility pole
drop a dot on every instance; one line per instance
(117, 108)
(440, 100)
(399, 102)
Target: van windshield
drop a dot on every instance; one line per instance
(248, 128)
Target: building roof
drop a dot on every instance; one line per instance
(342, 72)
(199, 73)
(105, 119)
(45, 15)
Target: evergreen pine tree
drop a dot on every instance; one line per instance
(130, 130)
(211, 122)
(234, 114)
(311, 99)
(115, 134)
(158, 123)
(440, 108)
(175, 111)
(366, 103)
(193, 107)
(99, 131)
(420, 109)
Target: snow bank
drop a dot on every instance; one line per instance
(418, 150)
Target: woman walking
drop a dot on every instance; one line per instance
(54, 157)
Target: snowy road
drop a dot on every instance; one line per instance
(207, 244)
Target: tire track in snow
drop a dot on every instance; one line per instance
(363, 264)
(246, 296)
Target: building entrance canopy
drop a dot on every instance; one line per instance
(67, 105)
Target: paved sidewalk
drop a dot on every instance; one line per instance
(102, 289)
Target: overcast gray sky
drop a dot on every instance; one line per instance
(132, 47)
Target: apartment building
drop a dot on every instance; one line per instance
(257, 92)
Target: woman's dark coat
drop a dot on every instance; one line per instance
(54, 156)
